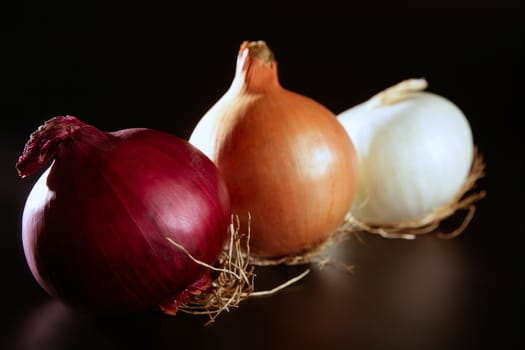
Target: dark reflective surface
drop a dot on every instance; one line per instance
(129, 70)
(412, 300)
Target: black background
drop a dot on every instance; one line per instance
(161, 66)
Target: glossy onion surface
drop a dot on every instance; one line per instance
(96, 223)
(285, 158)
(414, 157)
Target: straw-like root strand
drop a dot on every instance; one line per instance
(233, 281)
(314, 255)
(463, 201)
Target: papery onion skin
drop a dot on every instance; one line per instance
(96, 223)
(414, 156)
(285, 158)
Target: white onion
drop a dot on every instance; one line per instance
(415, 150)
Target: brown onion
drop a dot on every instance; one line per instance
(285, 158)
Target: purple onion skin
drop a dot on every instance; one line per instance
(96, 223)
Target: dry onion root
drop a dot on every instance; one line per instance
(233, 282)
(317, 255)
(429, 225)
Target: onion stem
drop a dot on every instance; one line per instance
(261, 50)
(397, 93)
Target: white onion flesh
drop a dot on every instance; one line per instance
(414, 156)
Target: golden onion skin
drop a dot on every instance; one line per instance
(285, 158)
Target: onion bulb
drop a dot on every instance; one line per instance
(285, 158)
(97, 224)
(415, 151)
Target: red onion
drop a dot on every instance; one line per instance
(97, 224)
